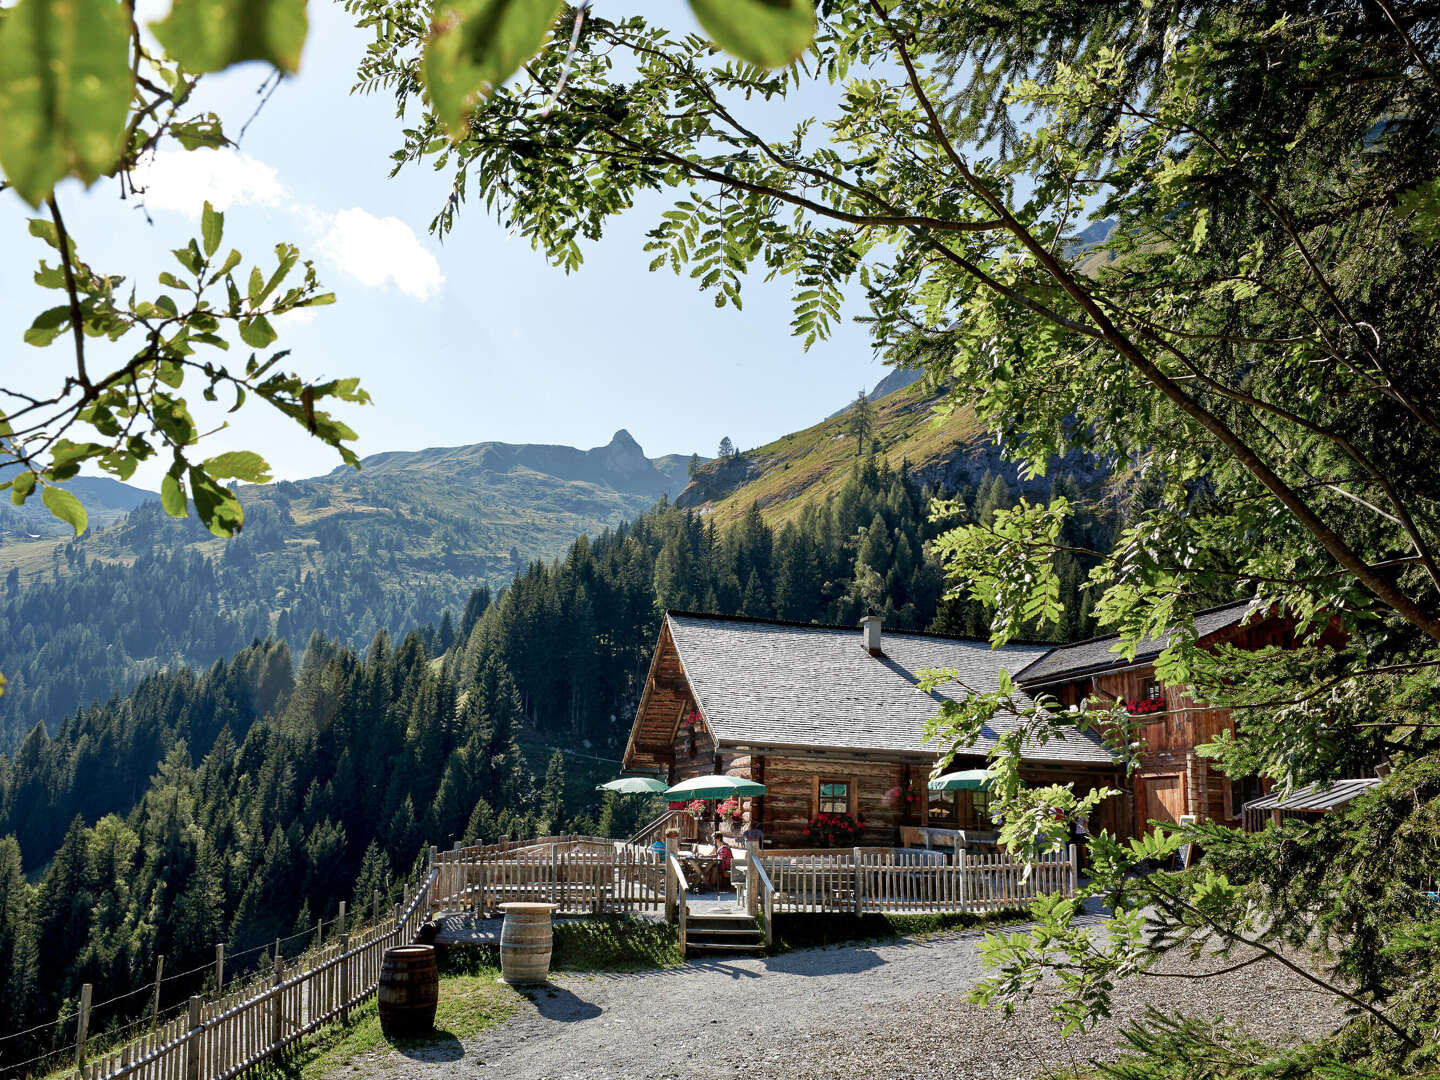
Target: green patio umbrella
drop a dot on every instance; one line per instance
(634, 785)
(714, 786)
(964, 780)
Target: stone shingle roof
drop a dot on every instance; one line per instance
(1067, 661)
(778, 684)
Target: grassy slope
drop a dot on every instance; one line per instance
(811, 465)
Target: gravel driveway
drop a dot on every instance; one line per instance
(881, 1011)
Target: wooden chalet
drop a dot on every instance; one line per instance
(1172, 780)
(831, 719)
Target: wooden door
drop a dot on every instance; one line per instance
(1164, 799)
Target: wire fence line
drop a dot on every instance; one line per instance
(86, 1029)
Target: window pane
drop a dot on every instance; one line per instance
(942, 808)
(980, 800)
(834, 797)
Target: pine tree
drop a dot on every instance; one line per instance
(552, 796)
(861, 421)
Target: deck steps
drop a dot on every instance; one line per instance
(722, 932)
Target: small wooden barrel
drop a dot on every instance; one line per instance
(409, 990)
(525, 940)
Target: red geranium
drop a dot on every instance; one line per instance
(1140, 706)
(833, 830)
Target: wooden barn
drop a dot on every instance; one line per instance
(831, 720)
(1172, 780)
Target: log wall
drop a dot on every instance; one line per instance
(1172, 736)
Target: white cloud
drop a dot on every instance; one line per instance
(183, 180)
(380, 250)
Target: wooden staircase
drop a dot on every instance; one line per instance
(722, 932)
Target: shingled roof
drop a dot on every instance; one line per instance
(1083, 657)
(763, 683)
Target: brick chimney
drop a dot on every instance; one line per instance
(870, 632)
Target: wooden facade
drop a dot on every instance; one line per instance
(1172, 780)
(883, 789)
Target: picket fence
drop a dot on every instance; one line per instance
(582, 874)
(888, 881)
(220, 1039)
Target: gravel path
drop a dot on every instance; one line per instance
(881, 1011)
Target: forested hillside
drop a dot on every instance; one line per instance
(241, 803)
(390, 547)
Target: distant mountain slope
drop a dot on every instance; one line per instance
(393, 546)
(783, 476)
(106, 501)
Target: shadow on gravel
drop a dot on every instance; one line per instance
(824, 962)
(557, 1003)
(439, 1047)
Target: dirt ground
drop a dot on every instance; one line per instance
(873, 1011)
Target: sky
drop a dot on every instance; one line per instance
(471, 340)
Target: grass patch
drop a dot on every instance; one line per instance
(819, 931)
(615, 943)
(469, 1004)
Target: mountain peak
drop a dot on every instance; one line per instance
(623, 440)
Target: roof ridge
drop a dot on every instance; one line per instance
(1019, 675)
(764, 621)
(1101, 637)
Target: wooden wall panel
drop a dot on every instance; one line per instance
(1171, 739)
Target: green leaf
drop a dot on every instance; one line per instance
(48, 325)
(770, 33)
(195, 134)
(66, 507)
(21, 488)
(65, 87)
(257, 332)
(474, 46)
(216, 506)
(212, 225)
(239, 465)
(172, 496)
(208, 35)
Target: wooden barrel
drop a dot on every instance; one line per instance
(408, 991)
(525, 943)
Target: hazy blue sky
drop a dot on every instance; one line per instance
(472, 340)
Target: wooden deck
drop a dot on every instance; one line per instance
(597, 876)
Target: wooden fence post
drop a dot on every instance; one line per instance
(219, 968)
(340, 921)
(82, 1026)
(752, 860)
(344, 977)
(159, 972)
(192, 1041)
(397, 917)
(1074, 869)
(859, 888)
(962, 878)
(672, 845)
(276, 1024)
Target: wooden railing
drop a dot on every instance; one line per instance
(889, 881)
(222, 1038)
(760, 897)
(582, 874)
(676, 888)
(654, 831)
